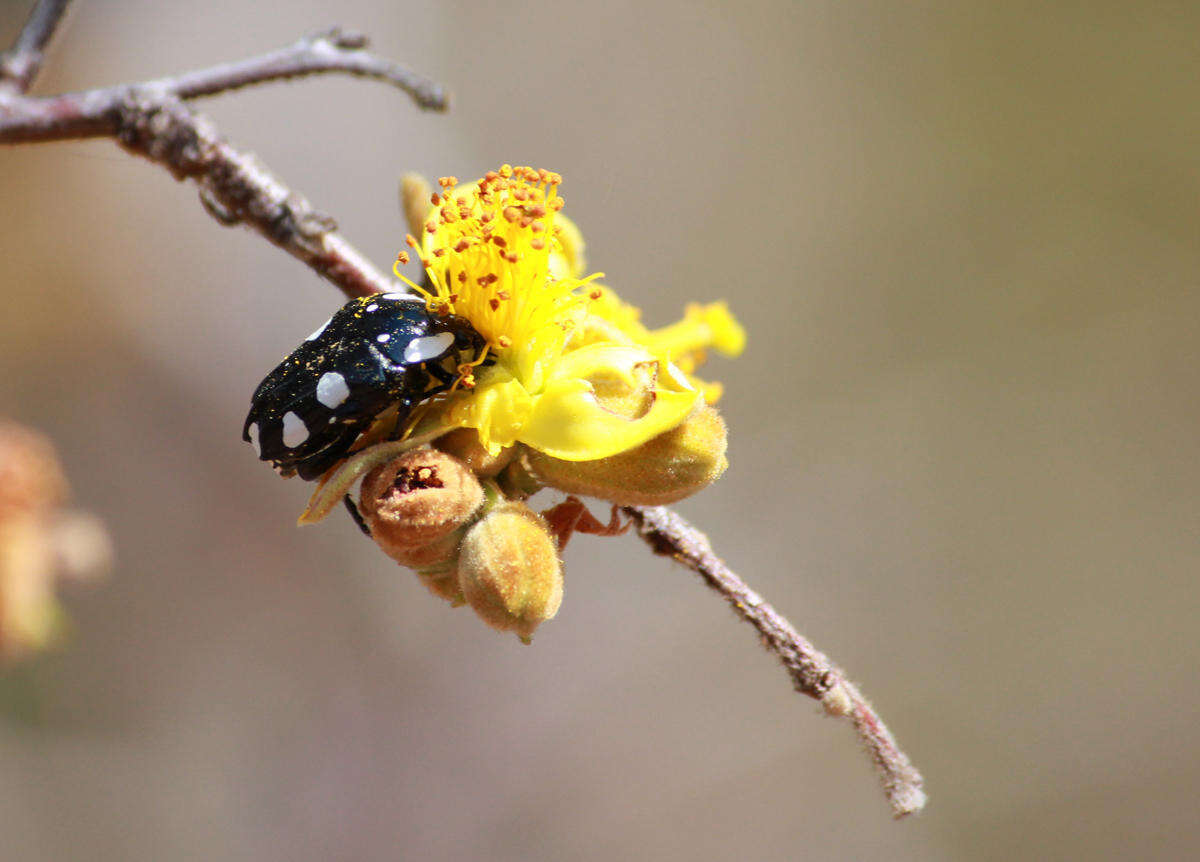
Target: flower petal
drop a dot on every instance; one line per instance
(569, 422)
(497, 407)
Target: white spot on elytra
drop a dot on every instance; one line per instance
(332, 390)
(374, 306)
(383, 338)
(428, 347)
(319, 331)
(294, 430)
(252, 433)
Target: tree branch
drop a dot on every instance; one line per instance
(811, 671)
(95, 113)
(332, 51)
(20, 64)
(151, 120)
(236, 188)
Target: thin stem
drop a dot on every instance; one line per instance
(95, 113)
(811, 670)
(332, 51)
(21, 63)
(151, 120)
(236, 188)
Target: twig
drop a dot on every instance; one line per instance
(811, 671)
(332, 51)
(91, 113)
(20, 65)
(151, 120)
(235, 187)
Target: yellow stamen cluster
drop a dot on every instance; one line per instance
(487, 251)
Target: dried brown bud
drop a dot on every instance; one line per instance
(667, 468)
(509, 570)
(414, 198)
(442, 579)
(30, 478)
(415, 504)
(464, 444)
(40, 544)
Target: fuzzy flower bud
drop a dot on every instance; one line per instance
(30, 479)
(41, 544)
(465, 445)
(667, 468)
(416, 504)
(509, 570)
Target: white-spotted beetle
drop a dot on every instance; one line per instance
(375, 352)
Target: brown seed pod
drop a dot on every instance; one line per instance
(414, 503)
(464, 444)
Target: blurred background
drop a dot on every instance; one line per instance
(963, 238)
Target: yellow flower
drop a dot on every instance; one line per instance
(683, 343)
(499, 253)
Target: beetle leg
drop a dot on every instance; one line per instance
(403, 411)
(356, 515)
(446, 378)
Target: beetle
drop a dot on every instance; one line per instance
(374, 353)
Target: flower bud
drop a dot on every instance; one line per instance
(30, 477)
(509, 570)
(30, 616)
(414, 199)
(441, 577)
(415, 505)
(40, 543)
(465, 445)
(664, 469)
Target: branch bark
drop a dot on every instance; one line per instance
(152, 120)
(812, 673)
(20, 65)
